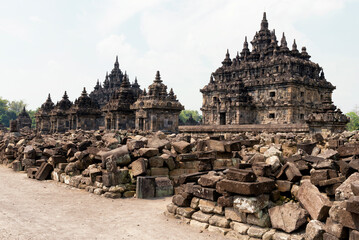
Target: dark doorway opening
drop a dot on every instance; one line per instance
(141, 123)
(222, 118)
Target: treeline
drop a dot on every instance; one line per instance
(354, 121)
(10, 111)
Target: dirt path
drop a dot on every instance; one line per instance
(31, 209)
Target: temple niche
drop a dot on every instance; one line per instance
(85, 113)
(157, 109)
(270, 84)
(43, 116)
(23, 120)
(117, 111)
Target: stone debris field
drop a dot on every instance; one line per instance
(231, 186)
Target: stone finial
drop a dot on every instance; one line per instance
(264, 23)
(65, 95)
(227, 60)
(144, 92)
(84, 92)
(294, 46)
(49, 97)
(158, 77)
(283, 41)
(117, 65)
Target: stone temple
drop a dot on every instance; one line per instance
(116, 104)
(270, 84)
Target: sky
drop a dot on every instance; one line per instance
(49, 46)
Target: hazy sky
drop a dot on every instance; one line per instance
(51, 46)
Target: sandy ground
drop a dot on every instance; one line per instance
(31, 209)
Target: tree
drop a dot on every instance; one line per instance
(32, 116)
(17, 106)
(354, 121)
(185, 114)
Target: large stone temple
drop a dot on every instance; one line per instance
(115, 104)
(270, 84)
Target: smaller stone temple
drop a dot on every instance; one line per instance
(118, 112)
(85, 113)
(157, 109)
(24, 120)
(59, 115)
(116, 104)
(43, 116)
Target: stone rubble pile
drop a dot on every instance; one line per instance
(274, 186)
(107, 164)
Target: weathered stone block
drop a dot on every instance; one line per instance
(313, 201)
(206, 206)
(241, 228)
(146, 188)
(288, 217)
(206, 193)
(219, 221)
(336, 229)
(181, 146)
(232, 214)
(344, 191)
(138, 167)
(241, 175)
(209, 180)
(314, 230)
(164, 187)
(257, 232)
(198, 224)
(250, 204)
(148, 152)
(263, 185)
(44, 171)
(185, 211)
(201, 216)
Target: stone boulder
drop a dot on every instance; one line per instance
(313, 201)
(288, 217)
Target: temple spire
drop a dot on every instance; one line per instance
(158, 77)
(65, 95)
(283, 41)
(264, 23)
(227, 61)
(84, 92)
(49, 97)
(294, 46)
(117, 65)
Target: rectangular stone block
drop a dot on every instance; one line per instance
(146, 187)
(159, 172)
(292, 172)
(241, 175)
(44, 171)
(205, 193)
(352, 205)
(138, 167)
(348, 150)
(263, 185)
(164, 187)
(313, 201)
(232, 214)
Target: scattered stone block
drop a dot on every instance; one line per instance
(241, 228)
(201, 216)
(263, 185)
(219, 230)
(354, 235)
(181, 146)
(241, 175)
(219, 221)
(146, 188)
(206, 206)
(250, 204)
(257, 232)
(288, 217)
(31, 172)
(164, 187)
(352, 205)
(313, 201)
(205, 193)
(232, 214)
(44, 171)
(344, 191)
(171, 208)
(259, 219)
(198, 224)
(148, 152)
(185, 211)
(314, 230)
(336, 229)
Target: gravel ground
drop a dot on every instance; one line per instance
(31, 209)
